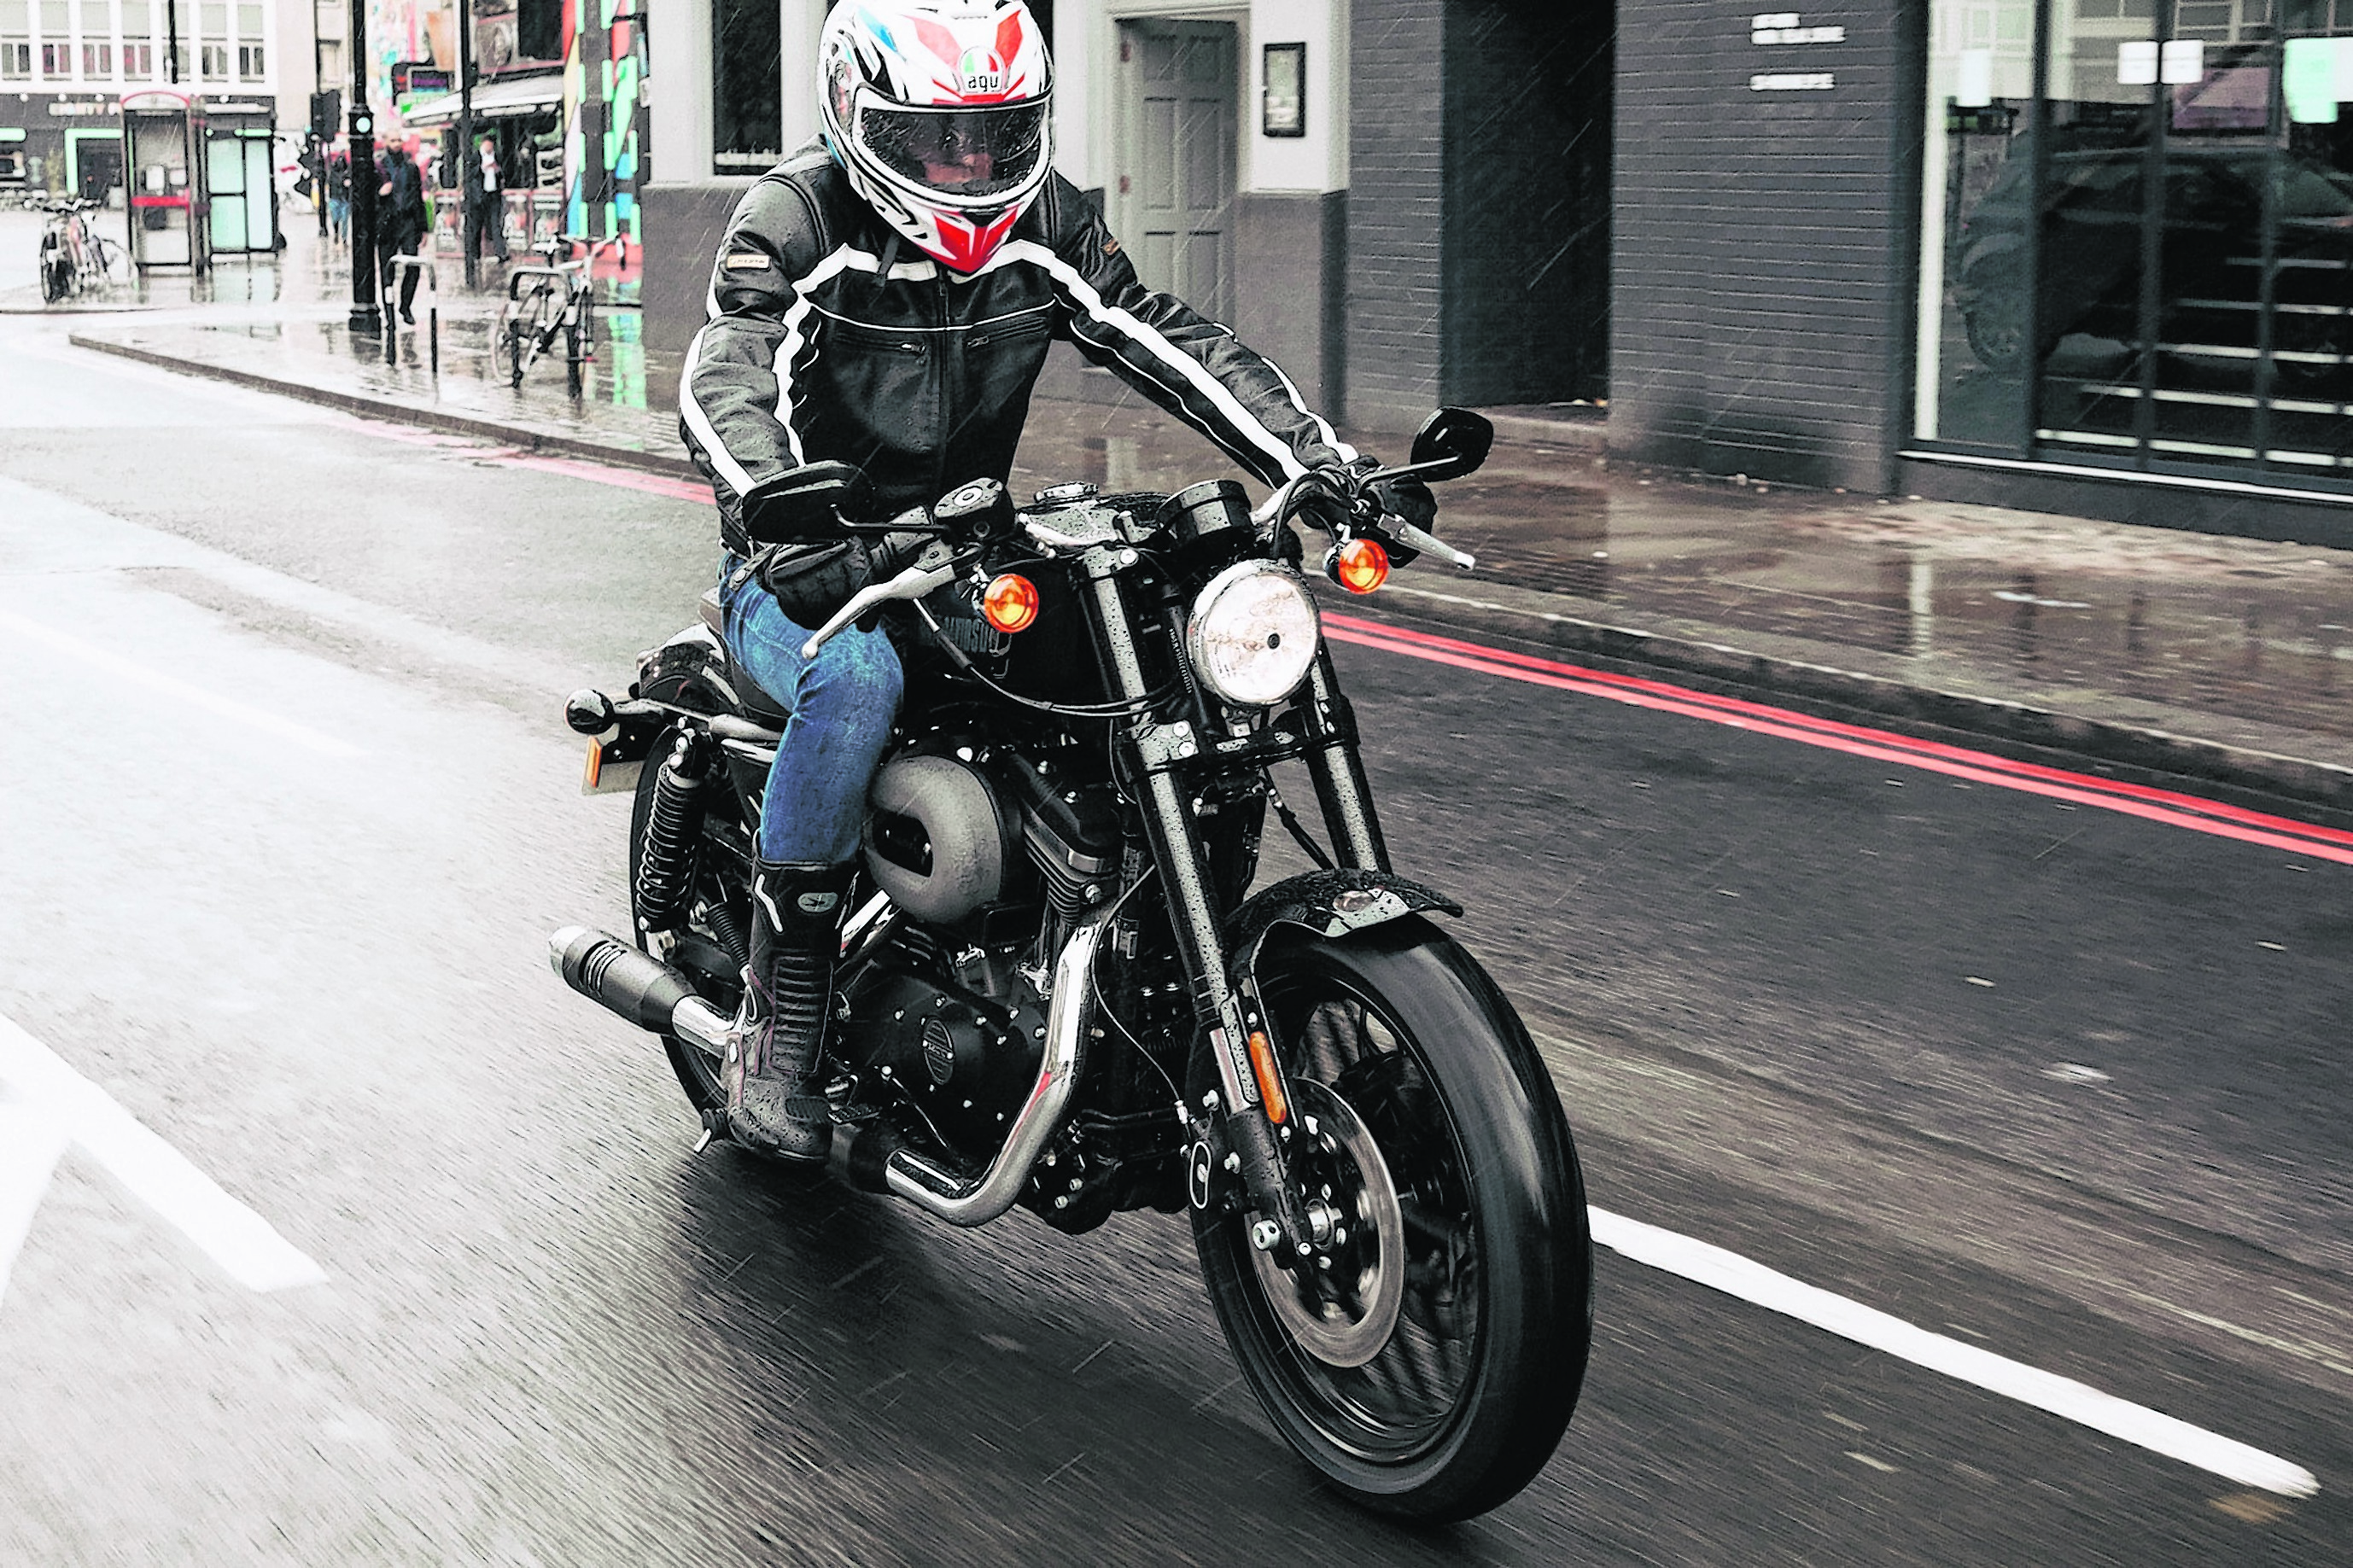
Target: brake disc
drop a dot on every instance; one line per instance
(1342, 1304)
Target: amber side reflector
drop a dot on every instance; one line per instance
(1270, 1082)
(595, 769)
(1360, 565)
(1009, 602)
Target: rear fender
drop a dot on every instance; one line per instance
(690, 672)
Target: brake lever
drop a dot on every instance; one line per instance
(1413, 538)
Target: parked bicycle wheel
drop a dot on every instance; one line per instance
(57, 275)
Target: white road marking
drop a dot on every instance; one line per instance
(48, 1091)
(1753, 1282)
(30, 1146)
(179, 691)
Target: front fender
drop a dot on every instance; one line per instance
(1324, 903)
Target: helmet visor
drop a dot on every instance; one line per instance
(964, 155)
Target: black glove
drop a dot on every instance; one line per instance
(1409, 499)
(810, 581)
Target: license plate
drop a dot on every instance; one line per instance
(606, 773)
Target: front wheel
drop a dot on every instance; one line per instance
(1429, 1363)
(56, 272)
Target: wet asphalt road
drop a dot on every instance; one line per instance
(288, 813)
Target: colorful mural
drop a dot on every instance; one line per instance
(604, 116)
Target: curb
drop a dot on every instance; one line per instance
(2271, 778)
(402, 413)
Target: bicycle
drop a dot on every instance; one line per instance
(560, 301)
(72, 258)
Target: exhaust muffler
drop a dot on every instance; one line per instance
(637, 986)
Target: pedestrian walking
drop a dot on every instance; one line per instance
(486, 215)
(339, 196)
(401, 223)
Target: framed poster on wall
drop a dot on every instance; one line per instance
(1283, 110)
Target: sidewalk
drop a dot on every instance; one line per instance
(2136, 651)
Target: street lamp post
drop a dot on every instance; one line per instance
(470, 157)
(361, 130)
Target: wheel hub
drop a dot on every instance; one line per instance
(1340, 1303)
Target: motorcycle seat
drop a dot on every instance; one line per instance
(757, 704)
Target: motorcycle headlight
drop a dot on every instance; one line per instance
(1252, 634)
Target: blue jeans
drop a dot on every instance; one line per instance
(841, 703)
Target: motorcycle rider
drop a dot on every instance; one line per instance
(885, 298)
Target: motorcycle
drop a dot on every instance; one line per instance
(1056, 990)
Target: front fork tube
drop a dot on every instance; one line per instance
(1156, 750)
(1334, 763)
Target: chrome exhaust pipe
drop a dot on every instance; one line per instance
(637, 986)
(652, 996)
(924, 1182)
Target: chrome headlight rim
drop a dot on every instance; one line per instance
(1253, 633)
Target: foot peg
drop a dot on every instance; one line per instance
(837, 1102)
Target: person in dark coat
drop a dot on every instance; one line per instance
(486, 213)
(339, 196)
(401, 222)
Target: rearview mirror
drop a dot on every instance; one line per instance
(1451, 443)
(808, 503)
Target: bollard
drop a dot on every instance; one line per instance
(432, 309)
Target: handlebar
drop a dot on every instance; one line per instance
(1353, 489)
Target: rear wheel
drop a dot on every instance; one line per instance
(1429, 1363)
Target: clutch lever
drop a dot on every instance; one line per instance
(910, 583)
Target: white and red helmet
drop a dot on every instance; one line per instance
(942, 113)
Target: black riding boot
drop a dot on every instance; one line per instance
(788, 1006)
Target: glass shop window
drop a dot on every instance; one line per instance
(2167, 280)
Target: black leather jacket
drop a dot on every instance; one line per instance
(830, 339)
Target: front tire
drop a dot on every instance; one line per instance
(1431, 1372)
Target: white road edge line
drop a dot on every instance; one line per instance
(180, 690)
(1711, 1266)
(239, 1240)
(30, 1147)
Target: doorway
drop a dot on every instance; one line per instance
(1171, 197)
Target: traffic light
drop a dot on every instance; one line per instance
(327, 113)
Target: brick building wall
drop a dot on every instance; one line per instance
(1762, 240)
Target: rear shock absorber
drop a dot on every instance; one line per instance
(673, 826)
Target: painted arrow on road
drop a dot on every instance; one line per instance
(51, 1108)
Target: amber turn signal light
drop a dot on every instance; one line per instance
(1270, 1082)
(1009, 602)
(1360, 565)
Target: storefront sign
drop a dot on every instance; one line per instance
(1788, 27)
(77, 109)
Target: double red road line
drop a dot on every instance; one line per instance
(2151, 804)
